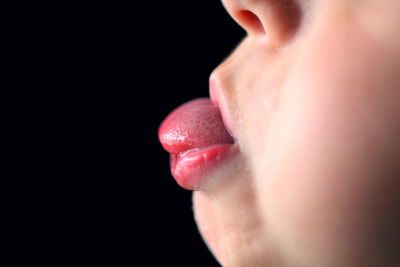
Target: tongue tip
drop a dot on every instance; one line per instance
(173, 148)
(195, 124)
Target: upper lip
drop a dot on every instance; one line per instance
(217, 97)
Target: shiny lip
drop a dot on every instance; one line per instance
(218, 99)
(191, 168)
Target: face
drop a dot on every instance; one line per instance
(312, 98)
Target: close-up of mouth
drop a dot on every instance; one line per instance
(198, 142)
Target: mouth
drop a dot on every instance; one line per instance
(198, 142)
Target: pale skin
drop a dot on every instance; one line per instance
(313, 94)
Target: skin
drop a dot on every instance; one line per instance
(313, 94)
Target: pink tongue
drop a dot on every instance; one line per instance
(196, 124)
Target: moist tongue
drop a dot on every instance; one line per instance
(196, 124)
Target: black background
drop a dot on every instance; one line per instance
(172, 63)
(108, 74)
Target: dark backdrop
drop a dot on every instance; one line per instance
(172, 63)
(112, 72)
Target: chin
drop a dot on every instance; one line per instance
(229, 220)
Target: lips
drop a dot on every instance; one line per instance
(197, 140)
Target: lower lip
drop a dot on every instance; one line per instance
(190, 169)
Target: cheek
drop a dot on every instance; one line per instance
(323, 184)
(326, 163)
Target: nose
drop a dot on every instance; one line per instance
(275, 21)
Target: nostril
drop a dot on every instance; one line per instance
(250, 22)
